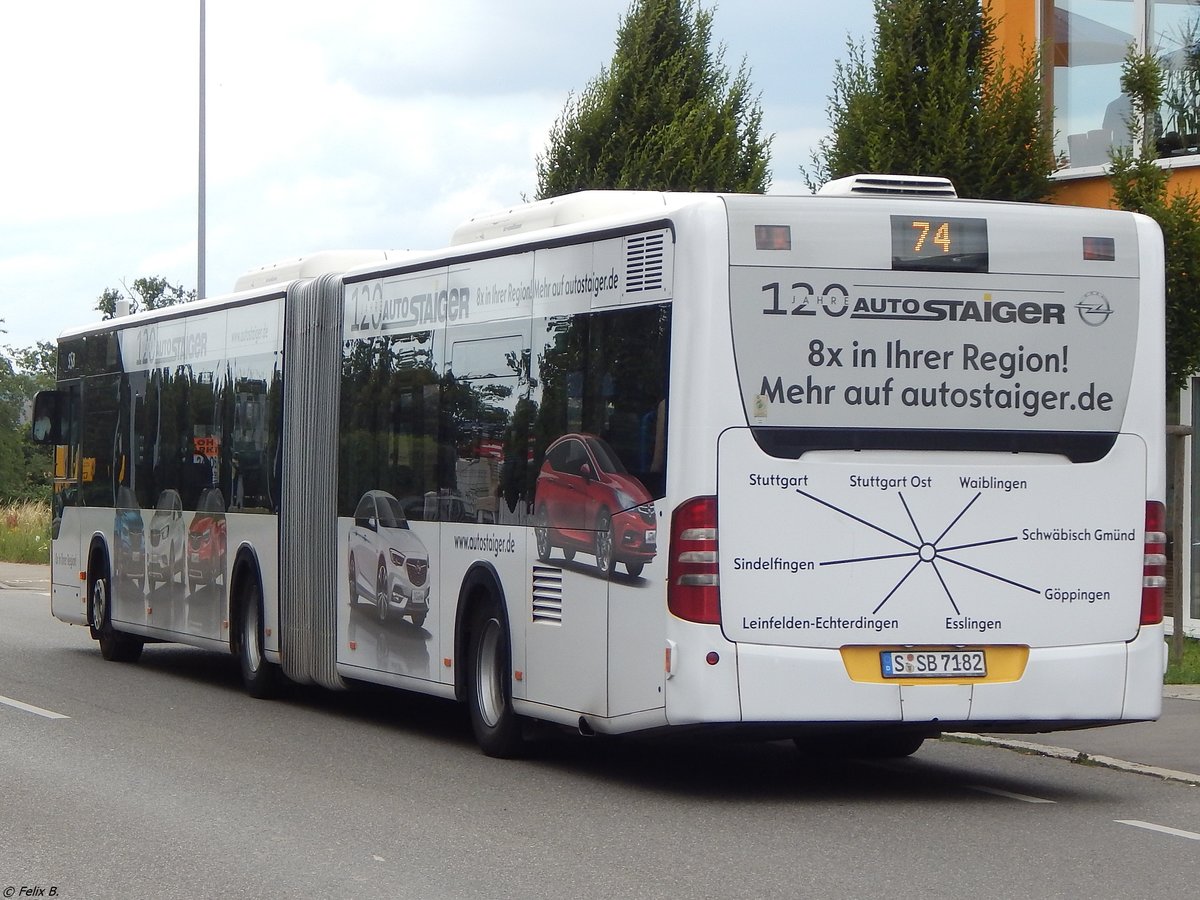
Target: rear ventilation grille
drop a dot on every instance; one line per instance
(644, 262)
(889, 186)
(547, 595)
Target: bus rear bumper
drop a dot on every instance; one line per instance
(1095, 684)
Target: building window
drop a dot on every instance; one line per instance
(1089, 40)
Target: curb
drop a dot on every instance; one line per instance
(1075, 756)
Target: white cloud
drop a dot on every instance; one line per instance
(363, 123)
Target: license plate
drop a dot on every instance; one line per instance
(652, 537)
(933, 663)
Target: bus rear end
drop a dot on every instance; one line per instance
(940, 505)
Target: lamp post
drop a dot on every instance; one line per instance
(200, 200)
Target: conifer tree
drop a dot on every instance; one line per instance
(666, 115)
(939, 98)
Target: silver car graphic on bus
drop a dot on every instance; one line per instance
(165, 554)
(388, 564)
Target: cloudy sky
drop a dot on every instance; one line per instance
(330, 125)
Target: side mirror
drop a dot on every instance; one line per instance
(49, 412)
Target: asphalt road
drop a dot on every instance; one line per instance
(165, 781)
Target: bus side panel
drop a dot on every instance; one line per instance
(68, 600)
(380, 646)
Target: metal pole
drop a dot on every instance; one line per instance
(200, 290)
(1179, 434)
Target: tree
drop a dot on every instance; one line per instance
(146, 293)
(24, 466)
(1140, 184)
(665, 116)
(939, 98)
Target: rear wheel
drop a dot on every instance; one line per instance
(634, 568)
(260, 677)
(115, 646)
(353, 582)
(889, 745)
(489, 694)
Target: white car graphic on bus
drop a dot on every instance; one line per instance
(388, 564)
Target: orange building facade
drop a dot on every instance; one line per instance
(1084, 43)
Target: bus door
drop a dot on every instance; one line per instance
(57, 423)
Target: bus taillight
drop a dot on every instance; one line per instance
(1154, 563)
(693, 584)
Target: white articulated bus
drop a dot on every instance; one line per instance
(854, 468)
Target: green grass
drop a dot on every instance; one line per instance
(1186, 670)
(25, 532)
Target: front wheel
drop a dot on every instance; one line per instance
(260, 677)
(115, 646)
(489, 695)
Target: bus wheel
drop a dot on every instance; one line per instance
(604, 545)
(893, 745)
(489, 692)
(260, 677)
(115, 646)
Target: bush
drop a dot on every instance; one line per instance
(1186, 670)
(25, 532)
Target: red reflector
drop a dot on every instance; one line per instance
(693, 585)
(1100, 248)
(773, 237)
(1154, 563)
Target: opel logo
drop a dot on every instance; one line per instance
(1094, 308)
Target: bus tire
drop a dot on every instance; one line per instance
(115, 646)
(893, 745)
(260, 677)
(489, 685)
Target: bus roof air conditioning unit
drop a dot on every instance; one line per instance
(889, 186)
(554, 212)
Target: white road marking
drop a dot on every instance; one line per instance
(1024, 798)
(36, 710)
(1150, 826)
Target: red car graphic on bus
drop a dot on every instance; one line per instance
(585, 499)
(206, 540)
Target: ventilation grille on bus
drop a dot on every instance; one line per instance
(547, 595)
(889, 186)
(644, 262)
